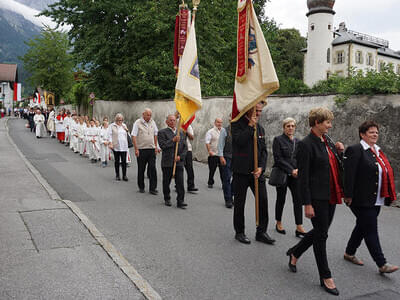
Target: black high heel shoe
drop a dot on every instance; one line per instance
(333, 291)
(292, 267)
(300, 234)
(281, 231)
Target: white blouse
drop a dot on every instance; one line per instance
(122, 139)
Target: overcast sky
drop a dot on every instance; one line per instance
(377, 18)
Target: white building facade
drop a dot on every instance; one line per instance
(338, 51)
(8, 76)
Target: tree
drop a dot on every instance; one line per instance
(49, 63)
(126, 46)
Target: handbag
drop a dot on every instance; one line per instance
(277, 177)
(129, 138)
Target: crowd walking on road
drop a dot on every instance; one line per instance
(319, 173)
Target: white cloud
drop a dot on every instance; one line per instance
(27, 12)
(379, 19)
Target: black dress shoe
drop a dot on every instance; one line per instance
(264, 238)
(168, 203)
(141, 191)
(281, 231)
(241, 237)
(154, 192)
(228, 204)
(300, 234)
(292, 267)
(191, 190)
(117, 178)
(181, 205)
(333, 291)
(210, 186)
(125, 178)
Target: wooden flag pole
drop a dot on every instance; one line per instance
(178, 133)
(256, 195)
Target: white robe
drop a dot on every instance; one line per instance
(93, 147)
(51, 125)
(104, 149)
(39, 122)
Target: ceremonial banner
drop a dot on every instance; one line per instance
(187, 89)
(15, 91)
(255, 73)
(182, 23)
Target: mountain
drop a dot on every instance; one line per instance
(15, 30)
(37, 4)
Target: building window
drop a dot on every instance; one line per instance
(398, 70)
(328, 55)
(340, 57)
(359, 58)
(329, 27)
(370, 59)
(312, 27)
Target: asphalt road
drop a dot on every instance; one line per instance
(192, 254)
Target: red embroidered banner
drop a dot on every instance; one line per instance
(176, 42)
(183, 26)
(15, 91)
(242, 43)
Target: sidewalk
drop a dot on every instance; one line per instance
(45, 251)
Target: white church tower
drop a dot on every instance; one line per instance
(317, 60)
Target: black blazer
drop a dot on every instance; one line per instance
(167, 146)
(361, 175)
(243, 150)
(284, 151)
(314, 169)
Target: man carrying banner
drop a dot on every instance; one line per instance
(255, 80)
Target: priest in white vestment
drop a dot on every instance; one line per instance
(39, 124)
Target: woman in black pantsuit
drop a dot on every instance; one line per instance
(283, 148)
(369, 184)
(319, 190)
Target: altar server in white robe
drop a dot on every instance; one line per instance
(81, 135)
(67, 128)
(51, 125)
(104, 144)
(74, 134)
(92, 137)
(39, 123)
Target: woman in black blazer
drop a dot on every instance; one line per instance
(369, 184)
(284, 147)
(318, 161)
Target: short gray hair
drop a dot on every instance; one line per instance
(118, 116)
(287, 121)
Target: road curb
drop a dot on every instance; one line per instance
(143, 286)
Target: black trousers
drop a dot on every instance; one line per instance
(167, 177)
(120, 159)
(281, 197)
(317, 237)
(241, 182)
(366, 229)
(213, 163)
(189, 170)
(147, 157)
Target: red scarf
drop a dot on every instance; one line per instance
(387, 186)
(336, 190)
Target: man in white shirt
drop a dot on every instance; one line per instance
(144, 138)
(212, 137)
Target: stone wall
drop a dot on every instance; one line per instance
(383, 109)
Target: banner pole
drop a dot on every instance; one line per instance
(178, 133)
(256, 194)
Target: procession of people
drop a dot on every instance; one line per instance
(319, 173)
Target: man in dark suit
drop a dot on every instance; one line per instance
(244, 174)
(167, 139)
